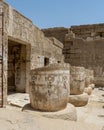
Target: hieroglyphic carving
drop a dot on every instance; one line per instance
(47, 86)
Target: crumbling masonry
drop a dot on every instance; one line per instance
(24, 47)
(83, 46)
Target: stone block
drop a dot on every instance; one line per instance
(88, 90)
(79, 100)
(77, 80)
(92, 86)
(49, 87)
(89, 77)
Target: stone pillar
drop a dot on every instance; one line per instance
(78, 98)
(89, 81)
(81, 85)
(49, 87)
(89, 77)
(3, 57)
(77, 82)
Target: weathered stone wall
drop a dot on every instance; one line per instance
(89, 32)
(88, 54)
(3, 55)
(21, 30)
(83, 46)
(58, 32)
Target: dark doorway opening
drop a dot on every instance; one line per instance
(16, 67)
(46, 61)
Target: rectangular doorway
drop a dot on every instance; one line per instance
(16, 67)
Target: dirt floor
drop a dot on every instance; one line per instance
(90, 117)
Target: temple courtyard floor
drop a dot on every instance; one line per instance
(20, 116)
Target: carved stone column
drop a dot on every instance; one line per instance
(49, 87)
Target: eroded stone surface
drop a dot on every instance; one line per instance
(92, 86)
(77, 82)
(89, 77)
(18, 99)
(50, 87)
(24, 48)
(86, 49)
(88, 90)
(69, 113)
(79, 100)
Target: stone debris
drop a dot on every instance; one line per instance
(88, 90)
(79, 100)
(18, 99)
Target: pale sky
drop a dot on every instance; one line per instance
(60, 13)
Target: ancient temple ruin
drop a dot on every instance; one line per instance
(23, 47)
(83, 46)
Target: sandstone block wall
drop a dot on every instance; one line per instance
(86, 49)
(58, 32)
(88, 54)
(38, 49)
(94, 31)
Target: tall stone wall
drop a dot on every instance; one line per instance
(89, 32)
(23, 30)
(86, 32)
(88, 54)
(19, 29)
(58, 32)
(86, 49)
(83, 46)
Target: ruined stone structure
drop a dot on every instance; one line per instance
(23, 47)
(81, 85)
(58, 33)
(85, 49)
(89, 77)
(50, 87)
(77, 80)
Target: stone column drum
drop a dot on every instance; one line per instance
(89, 81)
(49, 87)
(77, 80)
(89, 77)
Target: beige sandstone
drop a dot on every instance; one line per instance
(79, 100)
(89, 77)
(69, 113)
(92, 86)
(85, 49)
(50, 87)
(88, 90)
(25, 47)
(77, 80)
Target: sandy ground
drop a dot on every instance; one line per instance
(90, 117)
